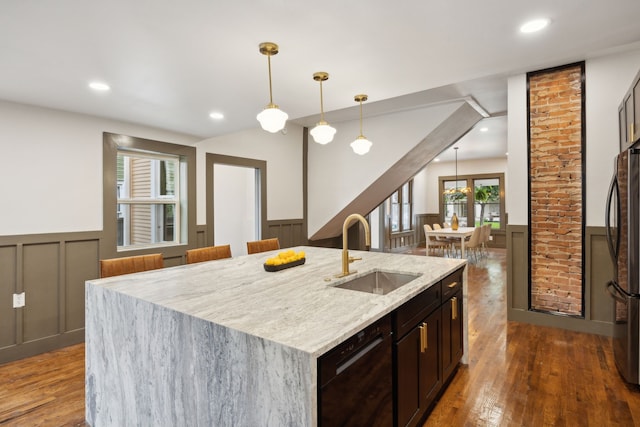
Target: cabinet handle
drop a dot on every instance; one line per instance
(423, 337)
(454, 308)
(453, 285)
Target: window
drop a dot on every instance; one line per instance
(486, 193)
(400, 209)
(455, 202)
(148, 196)
(482, 204)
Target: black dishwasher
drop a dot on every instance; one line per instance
(356, 379)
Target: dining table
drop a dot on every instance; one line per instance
(461, 233)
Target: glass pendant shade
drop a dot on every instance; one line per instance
(323, 133)
(272, 119)
(361, 145)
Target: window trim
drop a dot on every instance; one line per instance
(187, 155)
(401, 205)
(469, 179)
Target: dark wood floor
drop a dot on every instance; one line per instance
(518, 374)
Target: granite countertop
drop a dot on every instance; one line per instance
(298, 307)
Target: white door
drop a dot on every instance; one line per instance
(236, 196)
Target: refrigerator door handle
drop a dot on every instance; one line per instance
(613, 251)
(615, 293)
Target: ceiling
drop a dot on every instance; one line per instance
(170, 64)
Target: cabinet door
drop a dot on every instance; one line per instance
(407, 368)
(430, 369)
(451, 334)
(418, 371)
(622, 124)
(628, 109)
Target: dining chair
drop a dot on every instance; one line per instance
(473, 245)
(448, 240)
(263, 245)
(434, 243)
(486, 233)
(131, 264)
(209, 253)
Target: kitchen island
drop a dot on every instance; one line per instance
(225, 342)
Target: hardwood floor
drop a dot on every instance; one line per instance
(518, 374)
(44, 390)
(524, 375)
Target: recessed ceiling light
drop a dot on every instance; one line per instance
(99, 86)
(436, 159)
(216, 116)
(534, 25)
(484, 129)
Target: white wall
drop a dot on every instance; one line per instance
(51, 168)
(607, 80)
(235, 209)
(337, 175)
(283, 154)
(425, 183)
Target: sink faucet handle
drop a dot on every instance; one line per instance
(352, 258)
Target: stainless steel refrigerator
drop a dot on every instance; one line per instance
(623, 236)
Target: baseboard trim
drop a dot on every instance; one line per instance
(561, 322)
(43, 345)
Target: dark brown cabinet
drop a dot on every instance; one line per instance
(418, 374)
(629, 115)
(427, 348)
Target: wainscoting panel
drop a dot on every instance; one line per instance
(517, 267)
(420, 221)
(290, 232)
(598, 315)
(598, 301)
(80, 264)
(41, 284)
(51, 270)
(8, 261)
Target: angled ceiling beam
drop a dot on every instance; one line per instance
(446, 134)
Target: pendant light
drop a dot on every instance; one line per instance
(361, 145)
(272, 119)
(322, 133)
(454, 190)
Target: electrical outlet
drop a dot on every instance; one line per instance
(490, 237)
(18, 300)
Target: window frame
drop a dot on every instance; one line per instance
(470, 203)
(155, 199)
(112, 144)
(402, 206)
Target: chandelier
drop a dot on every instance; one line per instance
(455, 190)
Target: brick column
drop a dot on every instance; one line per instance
(556, 150)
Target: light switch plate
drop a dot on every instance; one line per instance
(18, 300)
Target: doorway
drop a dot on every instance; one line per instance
(236, 201)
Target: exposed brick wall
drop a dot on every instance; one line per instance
(555, 114)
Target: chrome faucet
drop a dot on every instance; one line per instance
(346, 259)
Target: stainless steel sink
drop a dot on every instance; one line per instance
(378, 282)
